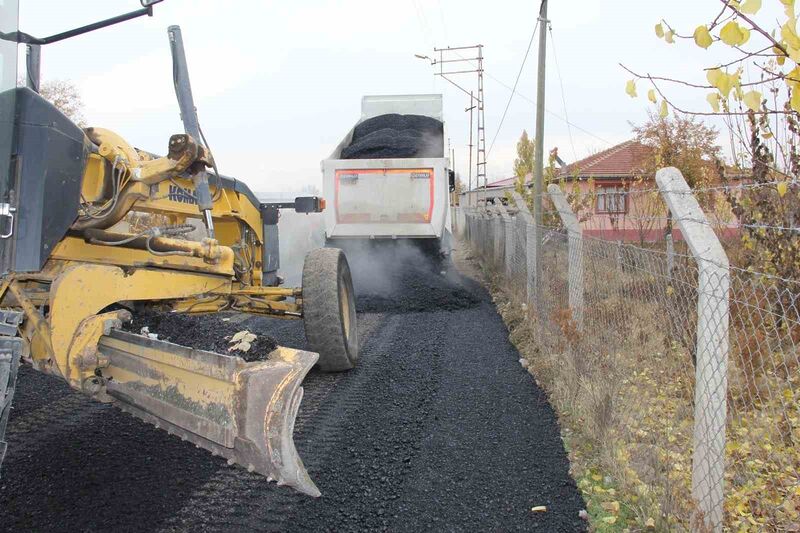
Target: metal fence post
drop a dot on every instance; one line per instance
(711, 368)
(575, 251)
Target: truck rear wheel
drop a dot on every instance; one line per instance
(329, 309)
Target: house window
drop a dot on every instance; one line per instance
(612, 199)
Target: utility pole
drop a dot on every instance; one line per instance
(539, 157)
(446, 55)
(471, 109)
(481, 125)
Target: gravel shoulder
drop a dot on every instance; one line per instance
(437, 429)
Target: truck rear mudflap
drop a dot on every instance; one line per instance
(243, 411)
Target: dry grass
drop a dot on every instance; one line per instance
(624, 386)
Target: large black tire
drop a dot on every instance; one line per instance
(329, 309)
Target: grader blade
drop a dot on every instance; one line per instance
(242, 411)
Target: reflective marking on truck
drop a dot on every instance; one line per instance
(349, 177)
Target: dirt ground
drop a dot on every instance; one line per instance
(438, 428)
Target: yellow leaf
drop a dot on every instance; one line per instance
(597, 477)
(782, 188)
(793, 78)
(650, 524)
(630, 88)
(669, 36)
(750, 7)
(609, 519)
(713, 75)
(659, 31)
(651, 95)
(788, 6)
(539, 509)
(670, 290)
(611, 507)
(713, 100)
(789, 33)
(794, 53)
(795, 101)
(745, 34)
(723, 81)
(702, 38)
(752, 100)
(734, 35)
(663, 110)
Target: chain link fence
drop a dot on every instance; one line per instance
(673, 362)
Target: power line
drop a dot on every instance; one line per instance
(556, 115)
(514, 90)
(563, 97)
(441, 16)
(423, 23)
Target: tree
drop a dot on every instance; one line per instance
(460, 187)
(683, 142)
(762, 112)
(525, 162)
(65, 96)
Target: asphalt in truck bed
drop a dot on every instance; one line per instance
(437, 429)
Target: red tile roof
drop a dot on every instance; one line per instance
(622, 160)
(508, 182)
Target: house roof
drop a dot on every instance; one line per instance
(507, 182)
(622, 160)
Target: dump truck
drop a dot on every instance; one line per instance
(389, 177)
(70, 278)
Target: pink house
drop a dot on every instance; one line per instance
(619, 203)
(614, 199)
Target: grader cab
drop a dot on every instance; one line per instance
(71, 278)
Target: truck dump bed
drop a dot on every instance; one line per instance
(394, 198)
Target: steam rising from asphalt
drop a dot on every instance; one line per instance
(375, 265)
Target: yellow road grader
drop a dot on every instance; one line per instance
(71, 278)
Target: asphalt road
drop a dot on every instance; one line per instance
(438, 428)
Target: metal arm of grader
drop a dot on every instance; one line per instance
(24, 38)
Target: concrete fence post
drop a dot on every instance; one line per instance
(530, 246)
(670, 256)
(508, 243)
(619, 256)
(574, 249)
(711, 367)
(499, 236)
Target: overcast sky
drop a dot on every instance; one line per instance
(277, 84)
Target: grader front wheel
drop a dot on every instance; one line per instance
(329, 311)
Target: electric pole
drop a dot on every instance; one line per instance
(539, 157)
(471, 109)
(446, 56)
